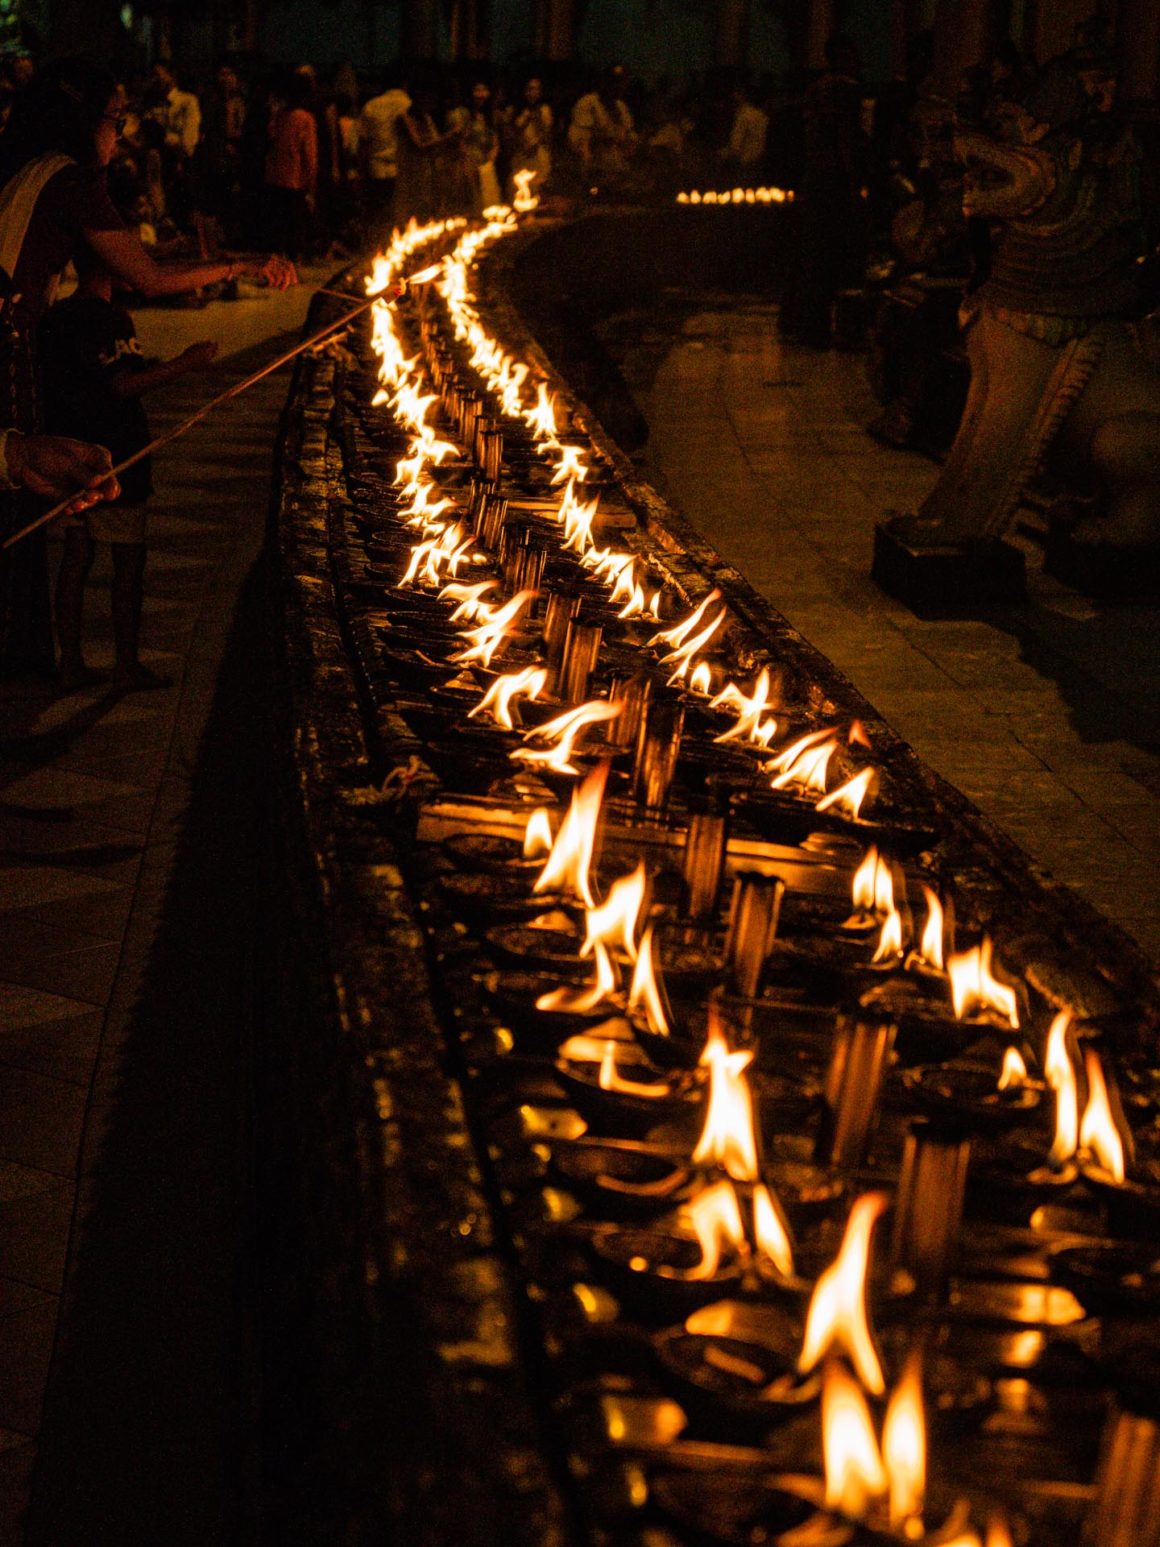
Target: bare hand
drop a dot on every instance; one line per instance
(278, 273)
(200, 355)
(54, 467)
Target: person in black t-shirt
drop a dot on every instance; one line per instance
(94, 378)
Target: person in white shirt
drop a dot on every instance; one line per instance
(602, 131)
(378, 139)
(178, 112)
(746, 148)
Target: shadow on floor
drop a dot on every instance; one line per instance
(181, 1389)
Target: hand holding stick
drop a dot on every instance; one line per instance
(390, 293)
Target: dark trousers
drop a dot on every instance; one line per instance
(379, 210)
(289, 221)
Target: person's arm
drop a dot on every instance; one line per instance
(54, 466)
(128, 382)
(124, 255)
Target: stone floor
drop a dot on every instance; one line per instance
(101, 1066)
(1047, 716)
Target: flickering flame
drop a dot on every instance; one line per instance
(904, 1446)
(425, 276)
(728, 1138)
(569, 862)
(998, 1533)
(931, 946)
(541, 419)
(1099, 1134)
(624, 584)
(469, 597)
(580, 1001)
(577, 520)
(856, 736)
(523, 199)
(614, 921)
(837, 1313)
(752, 723)
(701, 680)
(804, 764)
(973, 987)
(499, 627)
(873, 888)
(538, 834)
(761, 195)
(770, 1231)
(681, 631)
(610, 1079)
(637, 607)
(855, 1476)
(715, 1217)
(681, 658)
(561, 735)
(644, 991)
(1014, 1071)
(498, 699)
(1059, 1072)
(848, 797)
(570, 466)
(890, 940)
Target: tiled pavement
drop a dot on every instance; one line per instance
(93, 803)
(1047, 716)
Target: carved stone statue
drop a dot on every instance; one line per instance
(1056, 378)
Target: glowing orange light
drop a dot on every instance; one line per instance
(873, 888)
(974, 988)
(498, 699)
(488, 637)
(681, 631)
(1099, 1133)
(538, 834)
(571, 857)
(644, 991)
(715, 1218)
(931, 946)
(837, 1313)
(850, 796)
(561, 734)
(770, 1231)
(728, 1138)
(1014, 1071)
(611, 1079)
(855, 1476)
(904, 1446)
(614, 921)
(1059, 1072)
(581, 1001)
(804, 764)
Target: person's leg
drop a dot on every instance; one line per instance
(75, 564)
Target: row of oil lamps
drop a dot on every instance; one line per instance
(879, 1482)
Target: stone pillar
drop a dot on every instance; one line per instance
(1138, 47)
(419, 29)
(732, 30)
(821, 25)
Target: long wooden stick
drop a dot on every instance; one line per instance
(224, 397)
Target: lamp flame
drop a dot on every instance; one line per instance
(837, 1313)
(904, 1445)
(849, 797)
(498, 699)
(728, 1138)
(611, 1079)
(770, 1231)
(681, 658)
(538, 834)
(571, 857)
(562, 733)
(680, 631)
(580, 1001)
(571, 465)
(890, 940)
(701, 680)
(855, 1476)
(931, 946)
(489, 636)
(1059, 1072)
(752, 723)
(873, 888)
(1014, 1071)
(614, 921)
(715, 1217)
(645, 991)
(974, 988)
(1099, 1133)
(805, 762)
